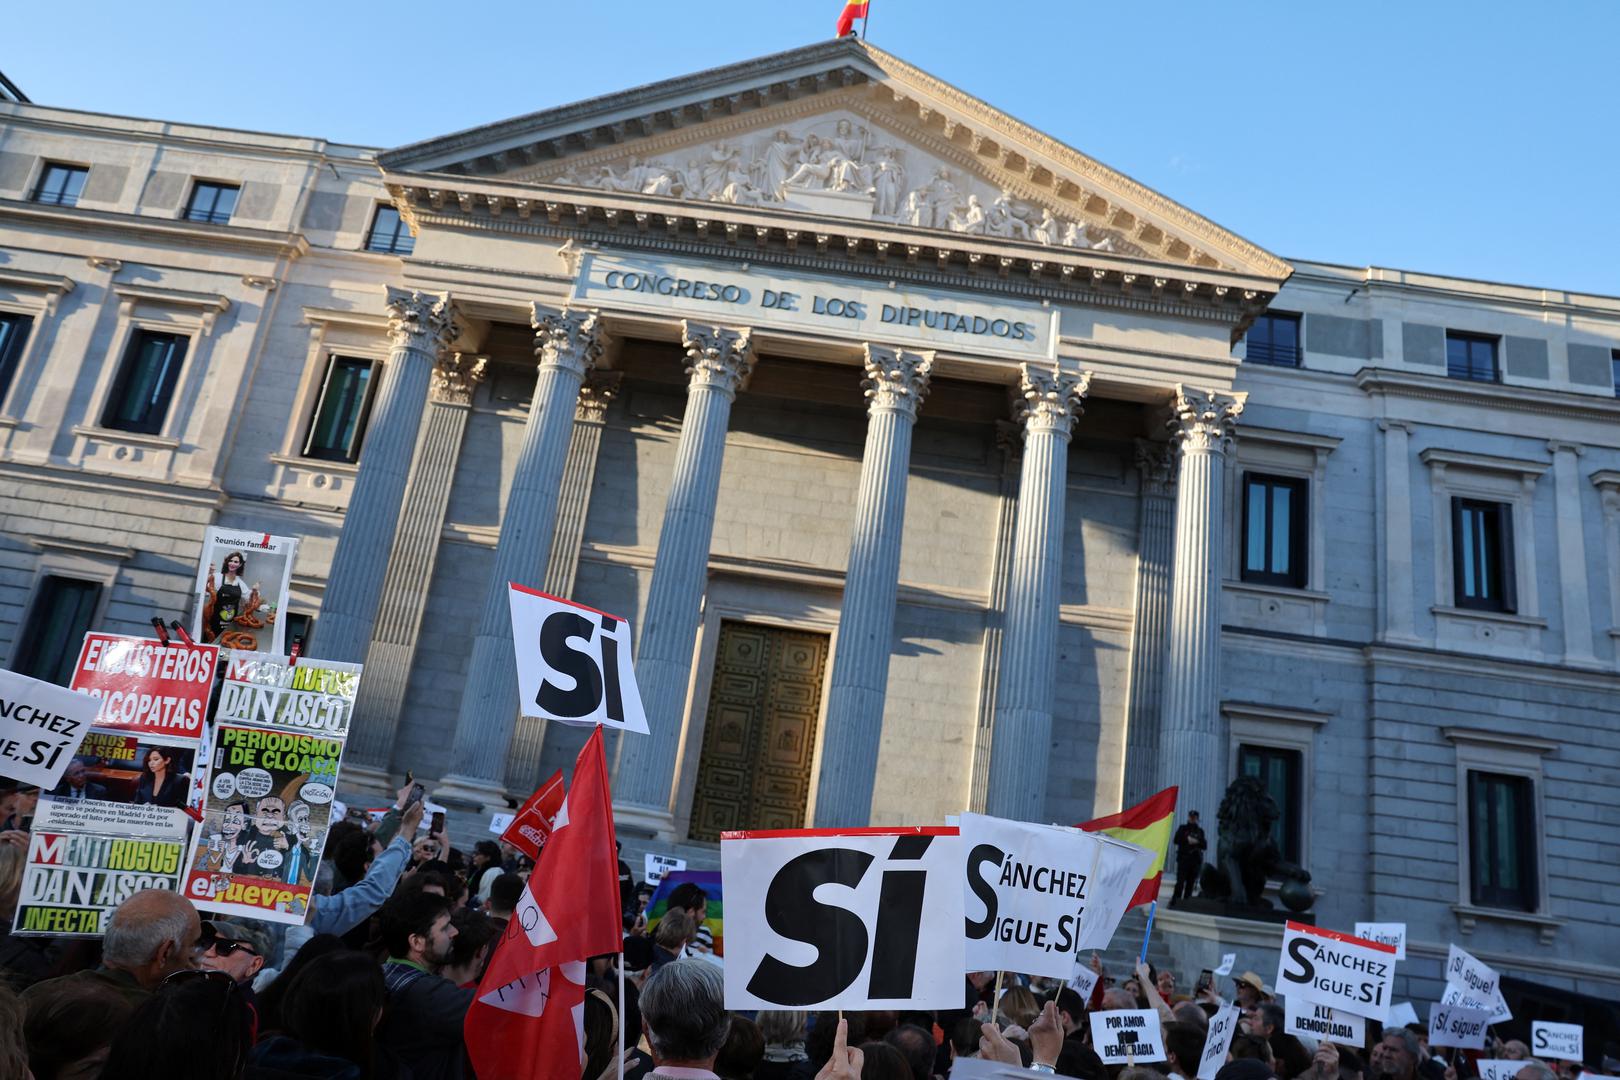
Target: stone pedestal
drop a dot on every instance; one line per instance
(1021, 745)
(896, 383)
(1193, 749)
(421, 325)
(718, 360)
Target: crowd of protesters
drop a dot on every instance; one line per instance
(377, 982)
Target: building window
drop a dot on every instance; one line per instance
(339, 423)
(60, 185)
(389, 234)
(14, 329)
(211, 202)
(1274, 340)
(1614, 370)
(145, 383)
(1279, 771)
(56, 626)
(1502, 841)
(1469, 356)
(1482, 554)
(1275, 524)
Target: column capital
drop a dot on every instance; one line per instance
(568, 338)
(421, 320)
(896, 379)
(1563, 446)
(719, 357)
(1156, 465)
(596, 393)
(456, 375)
(1049, 398)
(1204, 419)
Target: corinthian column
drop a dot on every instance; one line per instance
(410, 568)
(1021, 740)
(1192, 749)
(420, 326)
(896, 383)
(718, 360)
(1156, 465)
(568, 344)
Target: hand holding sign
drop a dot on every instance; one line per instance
(846, 1062)
(573, 662)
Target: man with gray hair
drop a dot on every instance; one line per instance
(1535, 1070)
(150, 937)
(684, 1016)
(1396, 1056)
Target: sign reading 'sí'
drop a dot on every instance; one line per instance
(768, 299)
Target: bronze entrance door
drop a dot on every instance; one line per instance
(754, 772)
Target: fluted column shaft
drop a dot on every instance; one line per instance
(1155, 462)
(1193, 749)
(718, 360)
(420, 326)
(896, 382)
(573, 504)
(1021, 743)
(410, 565)
(568, 344)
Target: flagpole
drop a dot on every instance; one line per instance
(621, 1011)
(1153, 907)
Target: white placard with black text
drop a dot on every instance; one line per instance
(1456, 1026)
(863, 919)
(1127, 1035)
(40, 724)
(1389, 933)
(655, 866)
(1559, 1042)
(1083, 982)
(1498, 1068)
(1322, 1022)
(1493, 1003)
(573, 662)
(1222, 1026)
(1228, 962)
(1325, 967)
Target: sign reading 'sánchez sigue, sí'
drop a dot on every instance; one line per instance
(767, 299)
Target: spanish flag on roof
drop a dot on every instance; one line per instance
(1146, 824)
(853, 9)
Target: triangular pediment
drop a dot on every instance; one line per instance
(840, 130)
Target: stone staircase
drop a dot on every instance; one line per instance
(1119, 959)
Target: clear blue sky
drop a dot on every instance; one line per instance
(1473, 138)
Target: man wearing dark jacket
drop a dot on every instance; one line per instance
(423, 1021)
(1190, 848)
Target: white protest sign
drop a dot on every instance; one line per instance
(1323, 1022)
(1492, 1003)
(1026, 889)
(40, 724)
(1560, 1042)
(1228, 962)
(1083, 982)
(1389, 933)
(659, 865)
(1400, 1014)
(1465, 971)
(1499, 1068)
(859, 919)
(1127, 1035)
(973, 1068)
(573, 662)
(1222, 1026)
(1119, 872)
(1325, 967)
(1453, 1025)
(499, 823)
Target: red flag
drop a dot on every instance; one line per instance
(532, 823)
(853, 9)
(528, 1018)
(1148, 825)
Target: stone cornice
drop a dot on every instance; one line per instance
(57, 284)
(1559, 403)
(167, 231)
(1462, 459)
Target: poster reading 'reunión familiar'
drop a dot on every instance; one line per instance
(74, 882)
(243, 581)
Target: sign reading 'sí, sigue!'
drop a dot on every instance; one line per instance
(767, 298)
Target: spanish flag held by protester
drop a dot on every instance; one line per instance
(853, 9)
(1146, 824)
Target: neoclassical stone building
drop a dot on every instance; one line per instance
(935, 464)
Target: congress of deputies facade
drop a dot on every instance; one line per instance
(935, 464)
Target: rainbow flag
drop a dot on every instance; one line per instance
(1146, 824)
(853, 9)
(709, 882)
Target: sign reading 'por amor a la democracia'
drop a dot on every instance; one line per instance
(768, 298)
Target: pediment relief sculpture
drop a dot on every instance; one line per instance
(839, 165)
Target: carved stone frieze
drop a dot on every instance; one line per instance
(720, 357)
(1205, 419)
(567, 338)
(896, 379)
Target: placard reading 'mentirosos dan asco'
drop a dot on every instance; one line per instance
(769, 298)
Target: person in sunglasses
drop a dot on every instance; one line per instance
(234, 948)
